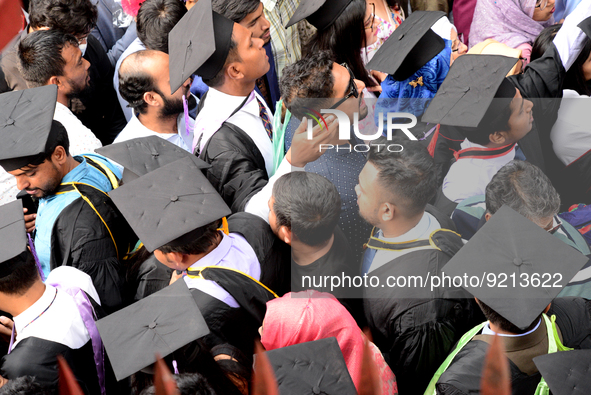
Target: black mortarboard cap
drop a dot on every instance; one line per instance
(160, 323)
(585, 26)
(198, 44)
(320, 13)
(25, 124)
(315, 367)
(13, 237)
(566, 372)
(510, 248)
(468, 91)
(410, 47)
(170, 205)
(145, 154)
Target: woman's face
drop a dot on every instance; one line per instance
(369, 23)
(586, 69)
(542, 15)
(458, 48)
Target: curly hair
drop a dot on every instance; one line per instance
(308, 83)
(75, 17)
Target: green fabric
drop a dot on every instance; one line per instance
(554, 345)
(279, 135)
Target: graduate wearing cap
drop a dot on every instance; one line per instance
(524, 313)
(146, 274)
(75, 224)
(233, 128)
(476, 103)
(417, 58)
(179, 216)
(48, 320)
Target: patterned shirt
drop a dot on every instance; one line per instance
(285, 42)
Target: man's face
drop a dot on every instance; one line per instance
(75, 74)
(254, 62)
(258, 24)
(343, 85)
(172, 105)
(521, 120)
(586, 69)
(367, 194)
(39, 181)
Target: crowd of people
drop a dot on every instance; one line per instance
(186, 179)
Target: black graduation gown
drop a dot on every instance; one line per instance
(415, 327)
(100, 111)
(80, 239)
(38, 357)
(237, 169)
(574, 182)
(462, 377)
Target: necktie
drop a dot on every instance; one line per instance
(265, 118)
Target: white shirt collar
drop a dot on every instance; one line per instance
(27, 316)
(135, 129)
(269, 4)
(418, 232)
(487, 331)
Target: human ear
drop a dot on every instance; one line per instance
(285, 235)
(498, 137)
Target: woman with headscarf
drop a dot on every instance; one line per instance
(516, 23)
(310, 315)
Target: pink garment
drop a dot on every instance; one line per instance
(507, 21)
(463, 11)
(311, 315)
(525, 53)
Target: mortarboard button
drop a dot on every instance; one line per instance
(174, 198)
(9, 122)
(517, 261)
(152, 325)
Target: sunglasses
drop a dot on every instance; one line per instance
(351, 90)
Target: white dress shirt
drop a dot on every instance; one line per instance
(232, 252)
(427, 225)
(61, 323)
(135, 129)
(469, 177)
(571, 134)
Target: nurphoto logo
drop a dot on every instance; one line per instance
(393, 120)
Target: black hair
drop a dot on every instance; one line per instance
(408, 176)
(481, 135)
(544, 41)
(501, 322)
(199, 245)
(575, 78)
(135, 81)
(58, 137)
(25, 385)
(345, 38)
(76, 17)
(235, 10)
(188, 384)
(22, 278)
(40, 55)
(307, 204)
(155, 19)
(308, 83)
(220, 77)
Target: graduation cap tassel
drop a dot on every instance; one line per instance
(68, 385)
(34, 252)
(264, 381)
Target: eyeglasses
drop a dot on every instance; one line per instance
(551, 228)
(351, 89)
(541, 4)
(368, 23)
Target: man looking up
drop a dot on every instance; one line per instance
(144, 84)
(76, 225)
(233, 129)
(317, 82)
(249, 13)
